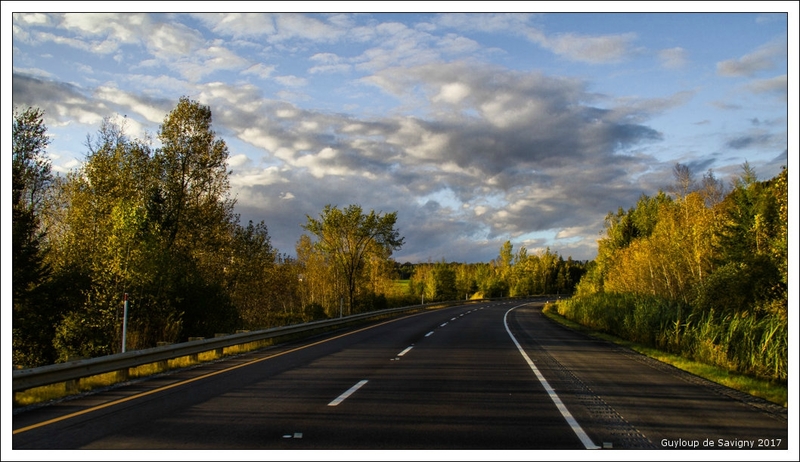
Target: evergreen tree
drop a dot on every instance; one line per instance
(33, 311)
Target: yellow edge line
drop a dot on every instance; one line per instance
(177, 384)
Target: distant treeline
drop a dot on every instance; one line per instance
(702, 272)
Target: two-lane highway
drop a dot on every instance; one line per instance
(481, 376)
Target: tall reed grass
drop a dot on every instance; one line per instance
(744, 343)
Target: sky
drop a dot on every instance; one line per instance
(477, 129)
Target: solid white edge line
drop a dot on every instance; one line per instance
(346, 394)
(587, 442)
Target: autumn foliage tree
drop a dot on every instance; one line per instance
(350, 238)
(705, 268)
(103, 245)
(156, 224)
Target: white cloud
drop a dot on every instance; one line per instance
(326, 58)
(259, 138)
(591, 49)
(119, 97)
(117, 27)
(576, 47)
(252, 178)
(673, 58)
(219, 58)
(291, 26)
(77, 43)
(486, 22)
(291, 81)
(260, 70)
(764, 58)
(452, 93)
(323, 164)
(779, 86)
(454, 44)
(32, 19)
(239, 24)
(238, 160)
(330, 69)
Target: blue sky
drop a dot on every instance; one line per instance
(475, 128)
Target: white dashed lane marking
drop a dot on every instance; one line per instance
(346, 394)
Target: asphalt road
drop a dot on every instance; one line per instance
(490, 376)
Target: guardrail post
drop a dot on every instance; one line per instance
(218, 351)
(194, 357)
(162, 365)
(71, 386)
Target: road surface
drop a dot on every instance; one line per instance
(490, 376)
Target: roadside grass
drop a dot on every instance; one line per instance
(777, 393)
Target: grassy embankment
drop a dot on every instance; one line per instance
(769, 390)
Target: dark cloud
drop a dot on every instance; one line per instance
(548, 159)
(747, 141)
(700, 167)
(61, 101)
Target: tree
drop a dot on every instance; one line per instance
(684, 180)
(318, 287)
(465, 280)
(155, 224)
(752, 240)
(194, 217)
(106, 246)
(31, 177)
(193, 176)
(31, 168)
(251, 274)
(349, 237)
(441, 286)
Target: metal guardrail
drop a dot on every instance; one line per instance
(25, 379)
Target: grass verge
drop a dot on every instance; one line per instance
(777, 393)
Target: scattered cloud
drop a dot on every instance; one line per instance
(591, 49)
(778, 86)
(673, 58)
(475, 128)
(749, 65)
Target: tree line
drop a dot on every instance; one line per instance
(700, 270)
(511, 274)
(156, 225)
